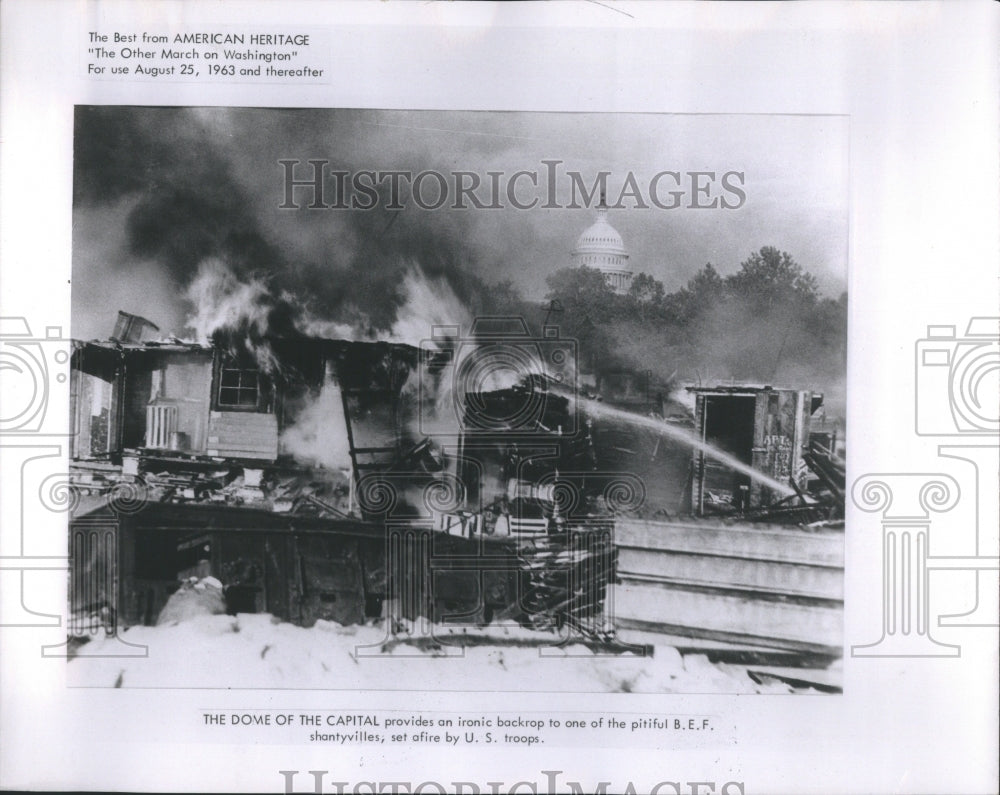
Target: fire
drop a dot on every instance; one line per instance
(250, 313)
(221, 301)
(429, 303)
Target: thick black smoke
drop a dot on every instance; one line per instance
(163, 195)
(190, 206)
(192, 202)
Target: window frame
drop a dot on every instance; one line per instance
(263, 404)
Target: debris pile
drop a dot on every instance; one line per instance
(292, 489)
(564, 580)
(819, 505)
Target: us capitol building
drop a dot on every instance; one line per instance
(601, 247)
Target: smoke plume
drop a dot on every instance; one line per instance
(211, 225)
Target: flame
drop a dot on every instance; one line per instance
(429, 303)
(221, 300)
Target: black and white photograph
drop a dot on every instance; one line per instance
(496, 398)
(561, 394)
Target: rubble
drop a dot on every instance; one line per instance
(290, 477)
(290, 489)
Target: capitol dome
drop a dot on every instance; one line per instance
(601, 247)
(600, 238)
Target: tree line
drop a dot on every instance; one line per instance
(765, 323)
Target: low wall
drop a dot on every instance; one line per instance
(742, 585)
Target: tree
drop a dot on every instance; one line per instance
(590, 307)
(646, 289)
(704, 293)
(766, 322)
(707, 281)
(644, 300)
(584, 292)
(770, 278)
(502, 298)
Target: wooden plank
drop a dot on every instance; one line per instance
(263, 455)
(818, 678)
(740, 584)
(746, 541)
(239, 444)
(764, 575)
(678, 608)
(234, 443)
(726, 646)
(243, 435)
(242, 432)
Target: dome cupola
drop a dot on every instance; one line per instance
(601, 247)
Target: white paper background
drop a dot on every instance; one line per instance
(920, 84)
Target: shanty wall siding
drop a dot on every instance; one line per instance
(132, 399)
(237, 434)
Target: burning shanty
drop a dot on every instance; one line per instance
(468, 483)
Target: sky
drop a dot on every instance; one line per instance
(158, 192)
